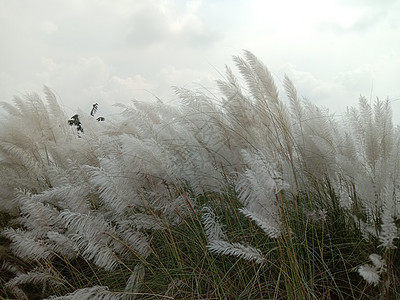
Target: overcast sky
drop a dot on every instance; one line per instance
(117, 50)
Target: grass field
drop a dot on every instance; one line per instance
(246, 195)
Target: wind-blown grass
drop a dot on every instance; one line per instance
(245, 197)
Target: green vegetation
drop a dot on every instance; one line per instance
(243, 197)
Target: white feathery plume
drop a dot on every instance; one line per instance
(263, 222)
(18, 292)
(378, 262)
(135, 239)
(371, 273)
(36, 214)
(389, 231)
(94, 237)
(34, 277)
(92, 293)
(258, 187)
(134, 282)
(90, 225)
(216, 245)
(345, 200)
(11, 267)
(178, 208)
(113, 188)
(235, 249)
(143, 221)
(61, 244)
(26, 245)
(97, 251)
(237, 105)
(212, 227)
(97, 240)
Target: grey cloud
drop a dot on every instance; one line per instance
(198, 37)
(151, 25)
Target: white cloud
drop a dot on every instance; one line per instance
(360, 79)
(316, 90)
(123, 49)
(87, 80)
(90, 80)
(170, 77)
